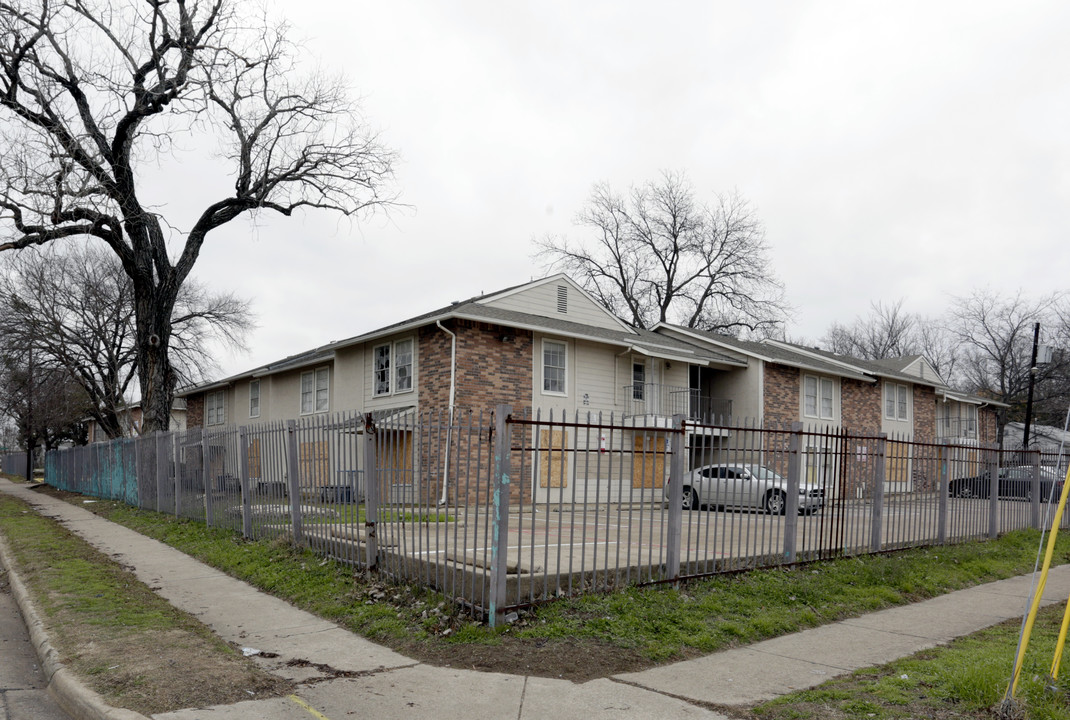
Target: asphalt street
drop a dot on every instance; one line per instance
(23, 686)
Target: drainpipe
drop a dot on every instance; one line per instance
(453, 394)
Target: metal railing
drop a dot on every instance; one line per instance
(504, 510)
(956, 427)
(669, 400)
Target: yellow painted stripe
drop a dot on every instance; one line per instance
(311, 710)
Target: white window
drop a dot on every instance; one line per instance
(638, 380)
(554, 360)
(392, 367)
(381, 360)
(315, 391)
(896, 401)
(818, 397)
(971, 421)
(254, 398)
(403, 365)
(213, 408)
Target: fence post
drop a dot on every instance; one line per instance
(371, 495)
(1034, 493)
(791, 509)
(942, 492)
(177, 473)
(676, 512)
(879, 477)
(161, 456)
(243, 479)
(206, 480)
(292, 469)
(499, 551)
(992, 461)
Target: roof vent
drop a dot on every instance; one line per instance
(562, 298)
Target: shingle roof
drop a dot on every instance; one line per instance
(778, 354)
(476, 309)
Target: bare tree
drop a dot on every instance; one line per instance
(45, 404)
(657, 255)
(888, 331)
(75, 308)
(93, 90)
(995, 333)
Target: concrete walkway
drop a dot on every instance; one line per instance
(389, 685)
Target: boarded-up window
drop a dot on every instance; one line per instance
(312, 457)
(897, 464)
(553, 463)
(254, 459)
(395, 457)
(648, 462)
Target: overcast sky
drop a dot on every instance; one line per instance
(894, 150)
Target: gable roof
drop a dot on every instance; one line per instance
(889, 368)
(607, 329)
(766, 351)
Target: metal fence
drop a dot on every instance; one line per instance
(13, 463)
(500, 511)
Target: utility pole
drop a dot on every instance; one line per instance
(1032, 380)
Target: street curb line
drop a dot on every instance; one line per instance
(77, 699)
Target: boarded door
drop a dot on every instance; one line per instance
(254, 459)
(553, 464)
(312, 457)
(395, 457)
(648, 463)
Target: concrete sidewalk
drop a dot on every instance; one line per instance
(390, 685)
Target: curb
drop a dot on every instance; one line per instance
(76, 699)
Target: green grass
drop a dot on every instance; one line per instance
(660, 623)
(968, 678)
(70, 576)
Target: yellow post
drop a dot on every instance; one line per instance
(1066, 613)
(1023, 643)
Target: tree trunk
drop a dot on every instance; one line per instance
(154, 370)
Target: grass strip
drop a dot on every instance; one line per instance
(110, 627)
(965, 679)
(658, 624)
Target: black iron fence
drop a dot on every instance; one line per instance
(500, 510)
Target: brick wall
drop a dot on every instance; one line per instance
(195, 411)
(924, 414)
(490, 370)
(860, 406)
(781, 391)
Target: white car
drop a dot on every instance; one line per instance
(745, 486)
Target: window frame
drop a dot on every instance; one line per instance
(638, 385)
(563, 392)
(254, 384)
(210, 410)
(314, 391)
(396, 373)
(820, 385)
(896, 397)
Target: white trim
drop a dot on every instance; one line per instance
(259, 397)
(819, 383)
(863, 376)
(896, 386)
(542, 366)
(315, 391)
(222, 395)
(392, 367)
(558, 278)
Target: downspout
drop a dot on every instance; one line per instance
(449, 427)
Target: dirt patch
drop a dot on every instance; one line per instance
(164, 671)
(123, 640)
(577, 660)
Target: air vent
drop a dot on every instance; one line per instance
(562, 298)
